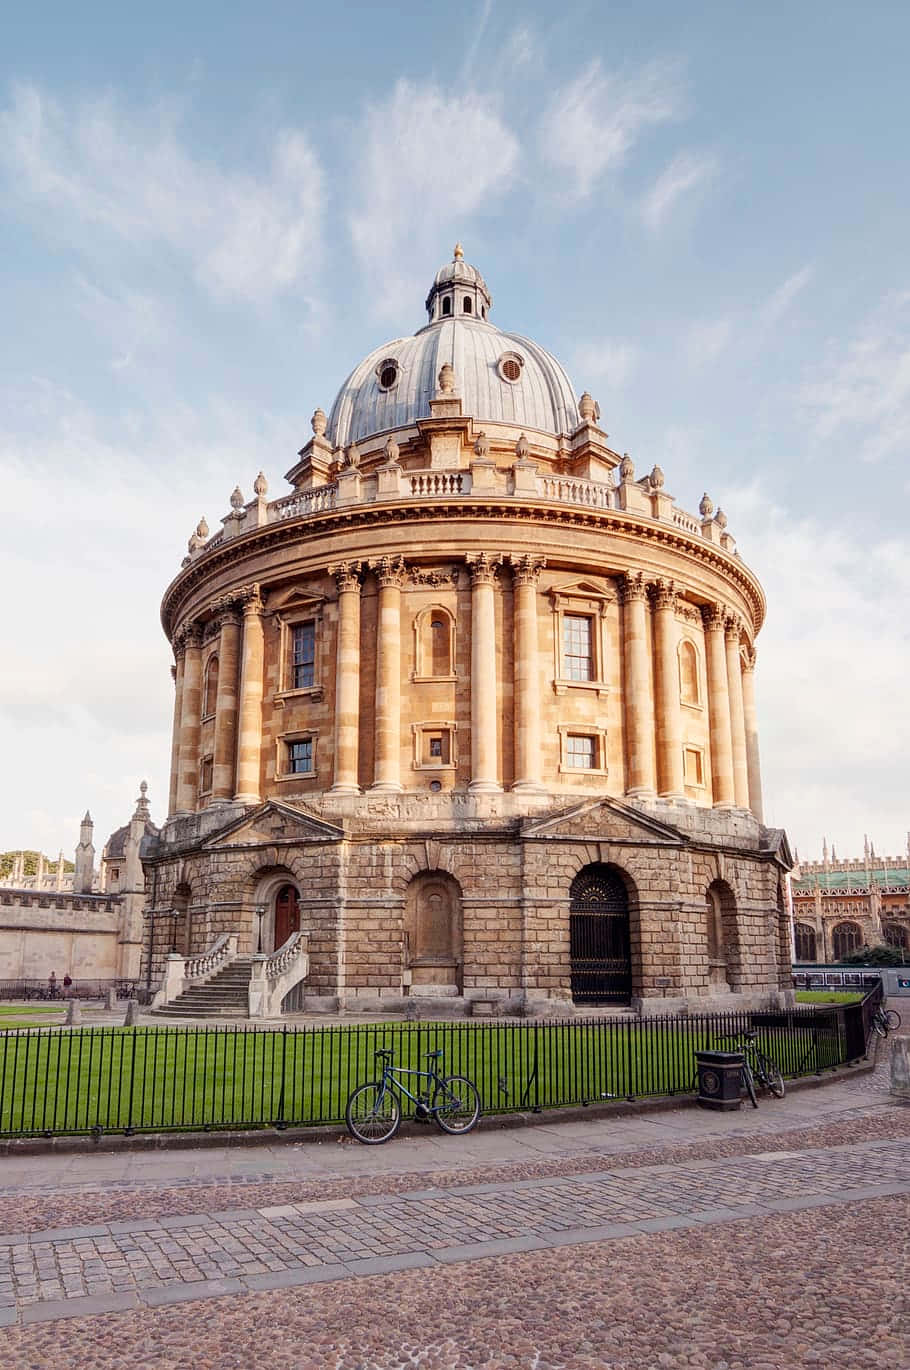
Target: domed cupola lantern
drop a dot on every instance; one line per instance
(458, 292)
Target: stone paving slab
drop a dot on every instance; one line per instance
(111, 1267)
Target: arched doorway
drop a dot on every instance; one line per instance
(599, 948)
(433, 931)
(804, 937)
(287, 914)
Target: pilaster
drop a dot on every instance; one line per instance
(484, 569)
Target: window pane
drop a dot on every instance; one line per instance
(300, 755)
(578, 661)
(580, 752)
(303, 643)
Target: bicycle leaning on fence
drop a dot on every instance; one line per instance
(757, 1068)
(373, 1112)
(885, 1020)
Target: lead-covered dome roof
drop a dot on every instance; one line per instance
(500, 377)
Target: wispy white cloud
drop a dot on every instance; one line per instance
(427, 161)
(591, 125)
(686, 173)
(608, 361)
(523, 49)
(707, 340)
(860, 396)
(101, 167)
(477, 36)
(832, 673)
(780, 300)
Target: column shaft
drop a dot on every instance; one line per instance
(737, 716)
(527, 675)
(750, 714)
(387, 767)
(638, 704)
(484, 701)
(175, 736)
(347, 682)
(249, 739)
(225, 750)
(190, 713)
(722, 790)
(669, 724)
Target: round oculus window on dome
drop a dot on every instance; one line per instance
(509, 367)
(387, 373)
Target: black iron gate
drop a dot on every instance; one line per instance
(599, 938)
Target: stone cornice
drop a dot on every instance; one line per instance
(505, 513)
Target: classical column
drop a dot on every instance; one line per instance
(177, 675)
(638, 705)
(484, 700)
(750, 715)
(666, 674)
(190, 715)
(249, 739)
(713, 616)
(225, 750)
(737, 716)
(390, 572)
(526, 707)
(347, 679)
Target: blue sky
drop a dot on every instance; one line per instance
(208, 217)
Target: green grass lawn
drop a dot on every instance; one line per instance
(30, 1015)
(121, 1079)
(827, 996)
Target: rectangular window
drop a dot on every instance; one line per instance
(692, 768)
(300, 756)
(205, 775)
(578, 657)
(581, 752)
(436, 748)
(303, 655)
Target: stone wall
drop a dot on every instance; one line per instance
(77, 935)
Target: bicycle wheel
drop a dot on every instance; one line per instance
(892, 1018)
(880, 1025)
(773, 1080)
(749, 1082)
(457, 1104)
(372, 1114)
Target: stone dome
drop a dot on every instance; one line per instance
(500, 377)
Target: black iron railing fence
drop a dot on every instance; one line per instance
(97, 1080)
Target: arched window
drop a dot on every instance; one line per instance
(688, 673)
(435, 644)
(447, 306)
(845, 938)
(720, 934)
(804, 936)
(467, 305)
(896, 936)
(600, 936)
(210, 693)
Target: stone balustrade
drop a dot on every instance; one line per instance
(275, 976)
(182, 971)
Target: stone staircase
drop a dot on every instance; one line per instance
(224, 996)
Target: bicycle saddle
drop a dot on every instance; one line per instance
(384, 1051)
(433, 1055)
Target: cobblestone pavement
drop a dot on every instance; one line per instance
(773, 1242)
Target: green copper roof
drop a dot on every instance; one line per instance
(893, 876)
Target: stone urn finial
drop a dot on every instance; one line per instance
(587, 407)
(392, 451)
(522, 448)
(482, 445)
(237, 500)
(202, 528)
(447, 379)
(260, 486)
(706, 508)
(626, 467)
(720, 519)
(656, 479)
(319, 422)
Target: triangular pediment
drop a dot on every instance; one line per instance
(605, 820)
(295, 597)
(274, 822)
(581, 589)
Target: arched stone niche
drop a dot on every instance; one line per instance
(434, 933)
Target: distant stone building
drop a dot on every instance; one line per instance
(469, 713)
(83, 923)
(840, 906)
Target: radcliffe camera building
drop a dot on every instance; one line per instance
(468, 714)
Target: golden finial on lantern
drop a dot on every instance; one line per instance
(459, 252)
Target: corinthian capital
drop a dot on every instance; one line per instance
(733, 628)
(389, 570)
(250, 598)
(484, 568)
(714, 617)
(664, 592)
(526, 569)
(633, 586)
(347, 575)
